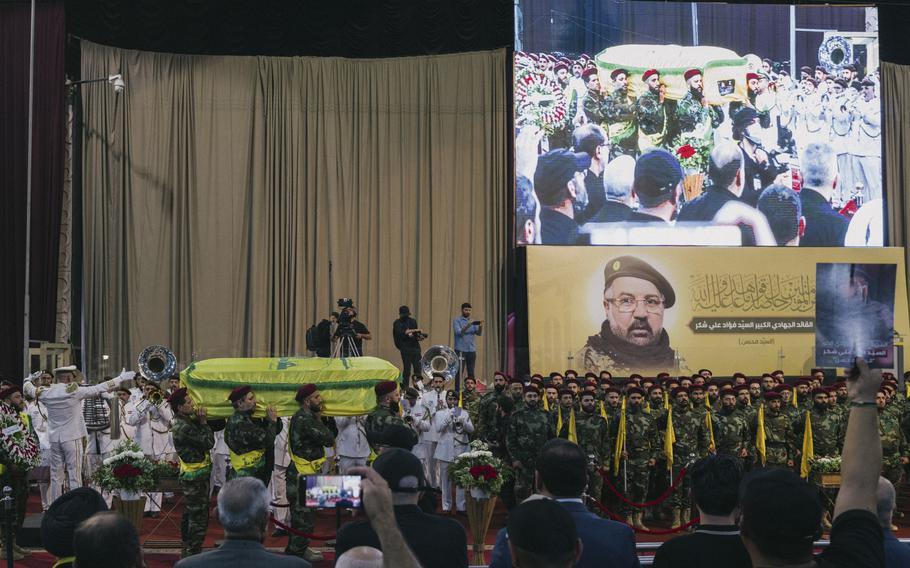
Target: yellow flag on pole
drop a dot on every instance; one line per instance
(558, 419)
(603, 411)
(709, 424)
(620, 438)
(546, 402)
(808, 449)
(666, 400)
(573, 431)
(461, 404)
(669, 439)
(760, 443)
(793, 399)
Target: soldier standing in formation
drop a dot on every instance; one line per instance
(386, 414)
(529, 429)
(639, 455)
(780, 442)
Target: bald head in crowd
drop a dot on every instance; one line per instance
(360, 557)
(818, 164)
(726, 168)
(619, 174)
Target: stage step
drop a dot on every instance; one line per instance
(30, 535)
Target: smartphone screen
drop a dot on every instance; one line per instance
(331, 491)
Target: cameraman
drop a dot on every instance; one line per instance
(759, 167)
(407, 338)
(350, 327)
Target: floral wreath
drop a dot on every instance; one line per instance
(540, 100)
(18, 444)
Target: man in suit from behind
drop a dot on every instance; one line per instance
(243, 509)
(561, 474)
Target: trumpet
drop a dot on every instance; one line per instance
(155, 398)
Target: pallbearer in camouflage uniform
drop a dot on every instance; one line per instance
(593, 103)
(651, 112)
(193, 440)
(780, 441)
(310, 433)
(639, 455)
(529, 429)
(251, 441)
(594, 439)
(619, 109)
(895, 450)
(691, 444)
(385, 414)
(696, 118)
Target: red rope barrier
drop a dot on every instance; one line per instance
(663, 496)
(296, 532)
(279, 505)
(616, 517)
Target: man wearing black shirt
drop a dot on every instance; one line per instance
(725, 177)
(618, 177)
(360, 332)
(407, 338)
(592, 140)
(825, 227)
(716, 542)
(559, 182)
(437, 542)
(757, 170)
(781, 513)
(657, 185)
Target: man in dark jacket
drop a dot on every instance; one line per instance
(407, 338)
(825, 227)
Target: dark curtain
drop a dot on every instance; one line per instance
(361, 29)
(47, 172)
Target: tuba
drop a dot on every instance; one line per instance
(835, 53)
(439, 359)
(157, 363)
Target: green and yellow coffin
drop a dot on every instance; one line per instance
(346, 385)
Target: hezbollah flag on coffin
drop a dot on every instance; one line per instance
(346, 385)
(723, 70)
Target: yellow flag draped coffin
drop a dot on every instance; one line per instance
(346, 385)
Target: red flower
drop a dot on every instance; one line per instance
(685, 151)
(486, 471)
(127, 470)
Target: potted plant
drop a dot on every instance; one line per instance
(828, 470)
(482, 475)
(693, 158)
(127, 474)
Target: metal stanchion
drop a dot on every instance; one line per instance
(8, 512)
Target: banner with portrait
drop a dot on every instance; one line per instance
(679, 309)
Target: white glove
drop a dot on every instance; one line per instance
(126, 375)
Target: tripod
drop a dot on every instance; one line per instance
(345, 347)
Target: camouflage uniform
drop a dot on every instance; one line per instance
(193, 439)
(894, 447)
(619, 109)
(529, 430)
(486, 416)
(827, 432)
(378, 421)
(308, 437)
(244, 434)
(641, 446)
(691, 444)
(696, 122)
(780, 441)
(593, 105)
(731, 432)
(470, 401)
(594, 440)
(652, 121)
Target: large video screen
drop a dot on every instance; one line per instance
(680, 123)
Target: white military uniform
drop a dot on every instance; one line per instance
(37, 412)
(841, 136)
(432, 402)
(220, 455)
(66, 427)
(453, 426)
(867, 147)
(278, 486)
(351, 444)
(99, 444)
(152, 423)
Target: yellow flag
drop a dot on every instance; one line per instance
(908, 390)
(669, 439)
(546, 403)
(709, 424)
(808, 449)
(603, 411)
(793, 400)
(461, 405)
(647, 409)
(707, 401)
(573, 431)
(760, 445)
(666, 400)
(620, 438)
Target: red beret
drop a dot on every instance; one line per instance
(513, 380)
(647, 74)
(531, 388)
(500, 374)
(239, 393)
(10, 390)
(560, 65)
(635, 390)
(771, 395)
(385, 387)
(611, 388)
(305, 391)
(741, 388)
(634, 376)
(586, 74)
(691, 73)
(699, 388)
(678, 390)
(655, 387)
(566, 391)
(819, 390)
(571, 372)
(591, 383)
(536, 376)
(537, 382)
(619, 71)
(783, 387)
(590, 375)
(178, 397)
(573, 382)
(750, 76)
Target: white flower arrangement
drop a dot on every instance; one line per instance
(123, 455)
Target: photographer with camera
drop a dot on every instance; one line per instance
(350, 332)
(407, 338)
(465, 330)
(760, 165)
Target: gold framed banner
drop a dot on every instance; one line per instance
(678, 309)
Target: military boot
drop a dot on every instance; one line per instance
(675, 522)
(637, 522)
(686, 516)
(630, 519)
(826, 521)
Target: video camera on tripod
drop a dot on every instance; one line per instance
(345, 318)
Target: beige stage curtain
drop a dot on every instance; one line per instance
(217, 190)
(896, 95)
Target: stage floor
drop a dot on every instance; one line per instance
(159, 536)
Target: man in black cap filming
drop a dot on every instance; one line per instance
(632, 337)
(559, 182)
(407, 338)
